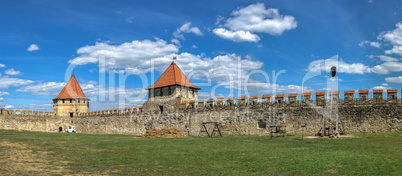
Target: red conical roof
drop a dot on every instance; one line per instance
(173, 76)
(72, 90)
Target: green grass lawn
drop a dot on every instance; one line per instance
(61, 154)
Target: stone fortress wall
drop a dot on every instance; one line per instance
(243, 115)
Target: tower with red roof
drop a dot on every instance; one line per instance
(170, 89)
(71, 99)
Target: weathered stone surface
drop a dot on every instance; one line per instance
(234, 120)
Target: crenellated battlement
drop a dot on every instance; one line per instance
(26, 112)
(322, 99)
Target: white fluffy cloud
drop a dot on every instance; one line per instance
(135, 56)
(186, 28)
(394, 36)
(228, 70)
(383, 86)
(33, 107)
(255, 18)
(8, 106)
(237, 36)
(342, 66)
(43, 89)
(387, 67)
(373, 44)
(6, 82)
(33, 47)
(13, 72)
(390, 65)
(92, 91)
(2, 65)
(4, 93)
(387, 58)
(394, 50)
(394, 79)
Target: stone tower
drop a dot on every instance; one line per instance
(170, 90)
(71, 99)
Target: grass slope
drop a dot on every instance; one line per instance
(60, 154)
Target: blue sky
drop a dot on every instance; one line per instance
(228, 48)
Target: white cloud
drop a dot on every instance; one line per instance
(6, 82)
(31, 107)
(135, 56)
(33, 47)
(13, 72)
(43, 89)
(395, 50)
(4, 93)
(251, 19)
(387, 67)
(176, 41)
(394, 79)
(2, 65)
(8, 106)
(394, 36)
(228, 70)
(356, 68)
(237, 36)
(385, 58)
(129, 19)
(257, 18)
(373, 44)
(342, 67)
(383, 86)
(92, 91)
(186, 28)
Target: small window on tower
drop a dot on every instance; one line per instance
(71, 100)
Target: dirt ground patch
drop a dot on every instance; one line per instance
(19, 159)
(163, 133)
(332, 171)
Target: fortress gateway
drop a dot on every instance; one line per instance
(173, 103)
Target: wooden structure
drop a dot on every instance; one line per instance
(216, 128)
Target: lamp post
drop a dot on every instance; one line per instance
(270, 127)
(303, 125)
(333, 74)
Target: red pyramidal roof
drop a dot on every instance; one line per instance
(72, 90)
(173, 76)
